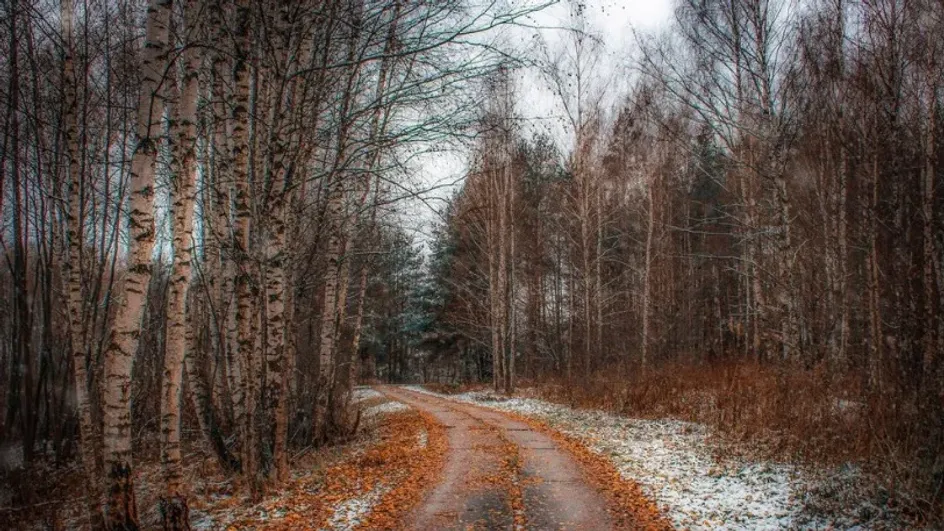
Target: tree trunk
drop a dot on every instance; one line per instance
(508, 234)
(646, 283)
(174, 509)
(121, 507)
(930, 347)
(244, 302)
(277, 256)
(874, 275)
(788, 312)
(219, 267)
(493, 280)
(843, 297)
(333, 278)
(501, 197)
(358, 327)
(72, 274)
(329, 317)
(511, 318)
(275, 322)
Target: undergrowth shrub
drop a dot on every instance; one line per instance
(789, 412)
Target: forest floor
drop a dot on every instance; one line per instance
(698, 480)
(370, 481)
(478, 460)
(424, 462)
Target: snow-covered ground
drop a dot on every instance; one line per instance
(386, 407)
(366, 393)
(350, 513)
(673, 462)
(375, 404)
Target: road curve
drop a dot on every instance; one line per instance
(501, 474)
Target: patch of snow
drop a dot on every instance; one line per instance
(386, 407)
(673, 463)
(350, 513)
(421, 389)
(365, 393)
(422, 439)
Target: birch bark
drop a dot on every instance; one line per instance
(244, 303)
(335, 219)
(72, 274)
(174, 509)
(121, 509)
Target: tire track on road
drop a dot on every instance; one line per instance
(502, 474)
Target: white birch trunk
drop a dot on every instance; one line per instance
(501, 200)
(184, 164)
(278, 256)
(511, 342)
(119, 355)
(329, 318)
(72, 274)
(334, 216)
(491, 238)
(646, 284)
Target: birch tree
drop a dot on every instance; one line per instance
(334, 285)
(245, 296)
(72, 275)
(180, 336)
(121, 510)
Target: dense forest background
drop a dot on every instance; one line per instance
(750, 238)
(203, 228)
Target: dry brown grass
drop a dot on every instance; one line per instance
(793, 414)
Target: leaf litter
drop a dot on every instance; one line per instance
(369, 484)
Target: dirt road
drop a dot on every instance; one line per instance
(502, 474)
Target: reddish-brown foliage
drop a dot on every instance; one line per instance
(784, 412)
(413, 467)
(396, 462)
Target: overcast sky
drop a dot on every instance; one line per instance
(612, 21)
